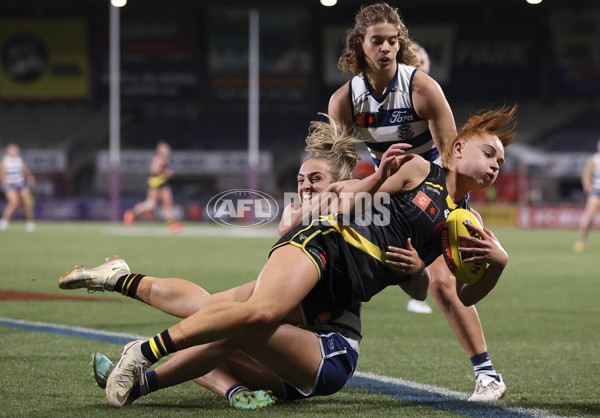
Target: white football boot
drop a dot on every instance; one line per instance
(488, 389)
(418, 306)
(126, 374)
(103, 277)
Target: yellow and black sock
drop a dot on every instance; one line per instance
(128, 284)
(156, 348)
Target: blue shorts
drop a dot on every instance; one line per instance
(594, 192)
(337, 367)
(14, 186)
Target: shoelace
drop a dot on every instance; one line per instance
(493, 384)
(128, 374)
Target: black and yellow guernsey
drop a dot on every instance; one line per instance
(350, 253)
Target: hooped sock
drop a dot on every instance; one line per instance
(234, 390)
(483, 365)
(127, 285)
(157, 347)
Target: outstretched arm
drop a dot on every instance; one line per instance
(389, 174)
(301, 213)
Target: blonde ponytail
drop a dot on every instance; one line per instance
(329, 141)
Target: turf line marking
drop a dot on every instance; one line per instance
(438, 397)
(213, 231)
(405, 390)
(80, 332)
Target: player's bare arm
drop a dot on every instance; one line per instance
(431, 104)
(417, 285)
(413, 170)
(28, 175)
(297, 213)
(586, 177)
(392, 161)
(291, 217)
(339, 108)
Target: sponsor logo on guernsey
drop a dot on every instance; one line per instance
(366, 120)
(434, 188)
(401, 116)
(360, 120)
(427, 205)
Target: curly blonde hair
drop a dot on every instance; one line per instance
(352, 61)
(329, 141)
(499, 122)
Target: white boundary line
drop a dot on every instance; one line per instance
(428, 395)
(443, 398)
(213, 231)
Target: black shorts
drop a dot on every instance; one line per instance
(333, 292)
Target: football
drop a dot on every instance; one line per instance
(455, 225)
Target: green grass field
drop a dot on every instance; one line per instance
(542, 325)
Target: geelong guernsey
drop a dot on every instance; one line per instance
(13, 171)
(596, 173)
(391, 118)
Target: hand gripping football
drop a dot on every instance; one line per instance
(454, 226)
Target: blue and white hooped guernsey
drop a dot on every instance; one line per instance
(391, 118)
(13, 171)
(596, 173)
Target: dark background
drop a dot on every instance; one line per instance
(184, 71)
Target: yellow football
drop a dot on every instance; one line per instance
(455, 225)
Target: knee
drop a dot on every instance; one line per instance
(442, 286)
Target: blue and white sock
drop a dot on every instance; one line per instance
(483, 365)
(234, 390)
